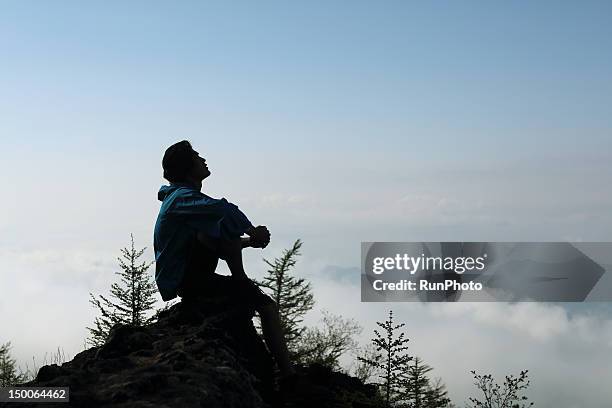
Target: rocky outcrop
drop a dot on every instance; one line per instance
(196, 355)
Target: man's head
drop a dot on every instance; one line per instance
(183, 164)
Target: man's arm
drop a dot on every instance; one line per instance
(216, 218)
(245, 241)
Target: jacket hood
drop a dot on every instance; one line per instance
(165, 191)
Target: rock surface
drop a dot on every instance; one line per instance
(198, 354)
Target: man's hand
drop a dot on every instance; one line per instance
(260, 236)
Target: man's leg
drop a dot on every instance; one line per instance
(228, 250)
(231, 252)
(273, 334)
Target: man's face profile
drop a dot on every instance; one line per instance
(200, 169)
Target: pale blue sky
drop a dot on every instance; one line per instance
(444, 78)
(334, 122)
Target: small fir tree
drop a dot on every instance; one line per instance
(8, 370)
(292, 295)
(436, 395)
(416, 382)
(394, 359)
(133, 297)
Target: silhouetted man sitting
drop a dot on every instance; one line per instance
(193, 231)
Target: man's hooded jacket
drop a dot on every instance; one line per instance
(184, 212)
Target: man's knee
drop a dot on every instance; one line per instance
(229, 248)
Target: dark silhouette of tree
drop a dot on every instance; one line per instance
(419, 391)
(507, 395)
(134, 297)
(292, 295)
(393, 362)
(416, 382)
(8, 370)
(436, 395)
(294, 298)
(326, 345)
